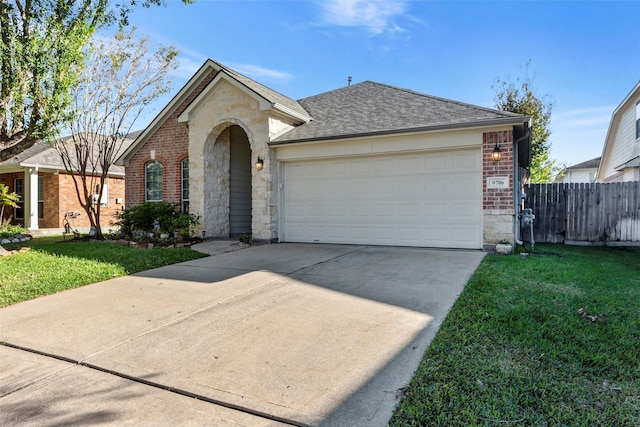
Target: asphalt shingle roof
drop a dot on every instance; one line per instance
(45, 155)
(368, 108)
(268, 94)
(593, 163)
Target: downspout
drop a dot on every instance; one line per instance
(518, 194)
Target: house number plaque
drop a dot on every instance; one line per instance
(498, 182)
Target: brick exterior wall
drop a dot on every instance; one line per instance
(60, 197)
(497, 204)
(171, 145)
(497, 198)
(8, 179)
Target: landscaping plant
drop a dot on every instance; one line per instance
(144, 217)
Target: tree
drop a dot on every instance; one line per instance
(519, 97)
(7, 199)
(119, 79)
(41, 55)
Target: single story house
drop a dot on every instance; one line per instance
(581, 172)
(48, 193)
(364, 164)
(621, 152)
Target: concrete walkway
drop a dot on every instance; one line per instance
(277, 334)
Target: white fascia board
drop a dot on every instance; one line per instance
(53, 169)
(449, 139)
(632, 95)
(10, 169)
(613, 123)
(493, 125)
(289, 112)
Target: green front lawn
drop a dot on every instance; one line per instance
(515, 351)
(51, 266)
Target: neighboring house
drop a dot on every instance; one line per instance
(621, 152)
(582, 172)
(365, 164)
(47, 191)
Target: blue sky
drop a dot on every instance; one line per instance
(584, 55)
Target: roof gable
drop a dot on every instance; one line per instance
(266, 98)
(609, 147)
(373, 108)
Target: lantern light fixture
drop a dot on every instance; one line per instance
(259, 164)
(496, 155)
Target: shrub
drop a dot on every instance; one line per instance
(142, 218)
(8, 230)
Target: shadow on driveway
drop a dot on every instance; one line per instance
(312, 334)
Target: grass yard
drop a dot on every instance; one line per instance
(515, 351)
(50, 266)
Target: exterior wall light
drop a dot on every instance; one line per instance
(496, 155)
(259, 164)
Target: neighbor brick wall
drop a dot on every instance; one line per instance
(8, 179)
(171, 144)
(67, 200)
(60, 197)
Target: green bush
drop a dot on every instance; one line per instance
(142, 218)
(8, 230)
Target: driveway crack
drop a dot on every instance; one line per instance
(160, 386)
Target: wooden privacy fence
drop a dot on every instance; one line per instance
(596, 213)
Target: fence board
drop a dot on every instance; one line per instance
(597, 213)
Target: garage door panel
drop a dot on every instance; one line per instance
(467, 161)
(338, 210)
(417, 199)
(385, 210)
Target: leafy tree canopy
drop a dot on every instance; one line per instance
(519, 97)
(41, 56)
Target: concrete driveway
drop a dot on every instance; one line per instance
(278, 334)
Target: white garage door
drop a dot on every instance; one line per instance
(430, 199)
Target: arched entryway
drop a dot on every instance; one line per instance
(239, 182)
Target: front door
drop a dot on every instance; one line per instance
(239, 183)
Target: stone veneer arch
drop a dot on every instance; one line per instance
(216, 158)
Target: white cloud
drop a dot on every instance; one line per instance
(578, 135)
(587, 117)
(256, 71)
(187, 67)
(374, 15)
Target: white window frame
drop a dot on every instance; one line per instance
(40, 197)
(146, 188)
(104, 200)
(20, 203)
(184, 205)
(638, 120)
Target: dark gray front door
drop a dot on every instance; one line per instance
(239, 183)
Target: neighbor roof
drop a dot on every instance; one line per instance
(374, 108)
(45, 156)
(589, 164)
